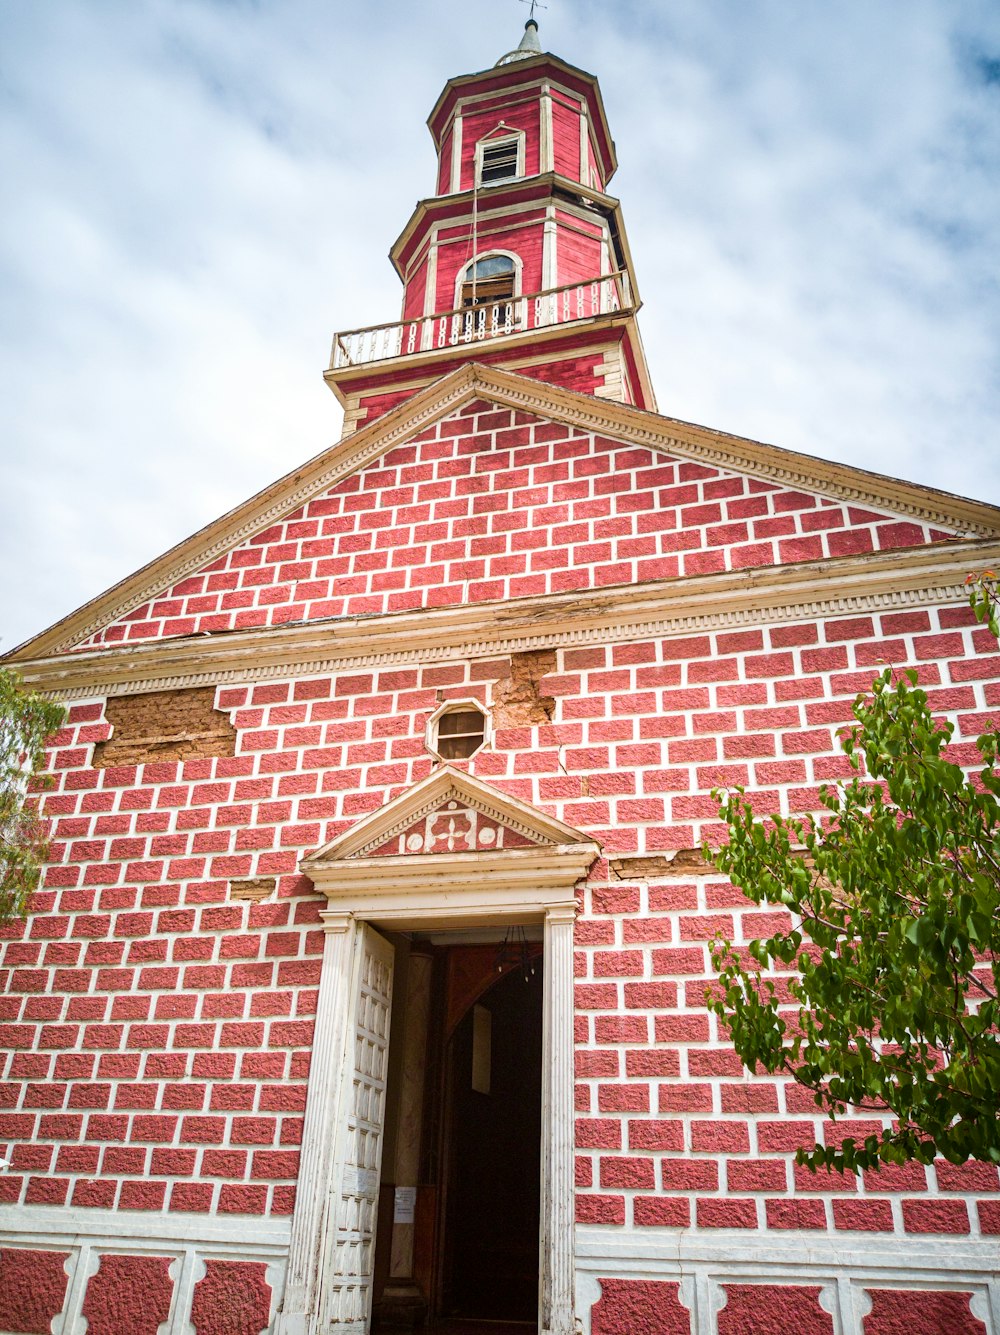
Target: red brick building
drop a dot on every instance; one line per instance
(369, 969)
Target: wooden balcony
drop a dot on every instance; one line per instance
(572, 304)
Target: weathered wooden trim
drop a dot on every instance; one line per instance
(880, 581)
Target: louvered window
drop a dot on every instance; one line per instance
(498, 161)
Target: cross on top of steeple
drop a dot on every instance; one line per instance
(535, 4)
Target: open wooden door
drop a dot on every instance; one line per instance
(359, 1148)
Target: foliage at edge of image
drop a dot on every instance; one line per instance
(26, 721)
(885, 996)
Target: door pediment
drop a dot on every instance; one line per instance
(452, 847)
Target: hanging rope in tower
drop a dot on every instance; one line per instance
(475, 231)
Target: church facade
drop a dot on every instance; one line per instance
(366, 982)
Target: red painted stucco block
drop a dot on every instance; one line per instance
(32, 1289)
(918, 1312)
(935, 1216)
(794, 1214)
(128, 1293)
(233, 1298)
(751, 1308)
(866, 1216)
(726, 1213)
(639, 1307)
(600, 1209)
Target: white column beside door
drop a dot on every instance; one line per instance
(556, 1242)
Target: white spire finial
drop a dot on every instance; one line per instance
(529, 45)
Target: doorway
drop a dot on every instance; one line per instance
(472, 1232)
(492, 1133)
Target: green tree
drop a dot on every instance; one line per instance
(26, 720)
(883, 992)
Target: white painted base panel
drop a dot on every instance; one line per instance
(192, 1239)
(843, 1267)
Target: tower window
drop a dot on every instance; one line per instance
(457, 730)
(499, 159)
(488, 280)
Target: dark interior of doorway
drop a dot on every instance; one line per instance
(492, 1148)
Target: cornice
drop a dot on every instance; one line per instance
(881, 581)
(459, 888)
(524, 191)
(507, 389)
(768, 462)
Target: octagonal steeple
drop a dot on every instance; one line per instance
(520, 256)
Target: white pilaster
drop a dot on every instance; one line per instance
(546, 150)
(456, 156)
(557, 1261)
(550, 265)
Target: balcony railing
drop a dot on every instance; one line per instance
(510, 315)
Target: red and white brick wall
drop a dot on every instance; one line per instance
(492, 504)
(158, 1033)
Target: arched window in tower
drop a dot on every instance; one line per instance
(487, 280)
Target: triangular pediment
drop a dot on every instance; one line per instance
(448, 813)
(154, 594)
(452, 850)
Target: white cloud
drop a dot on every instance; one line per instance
(198, 192)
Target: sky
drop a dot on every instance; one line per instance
(198, 193)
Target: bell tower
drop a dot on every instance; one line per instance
(519, 258)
